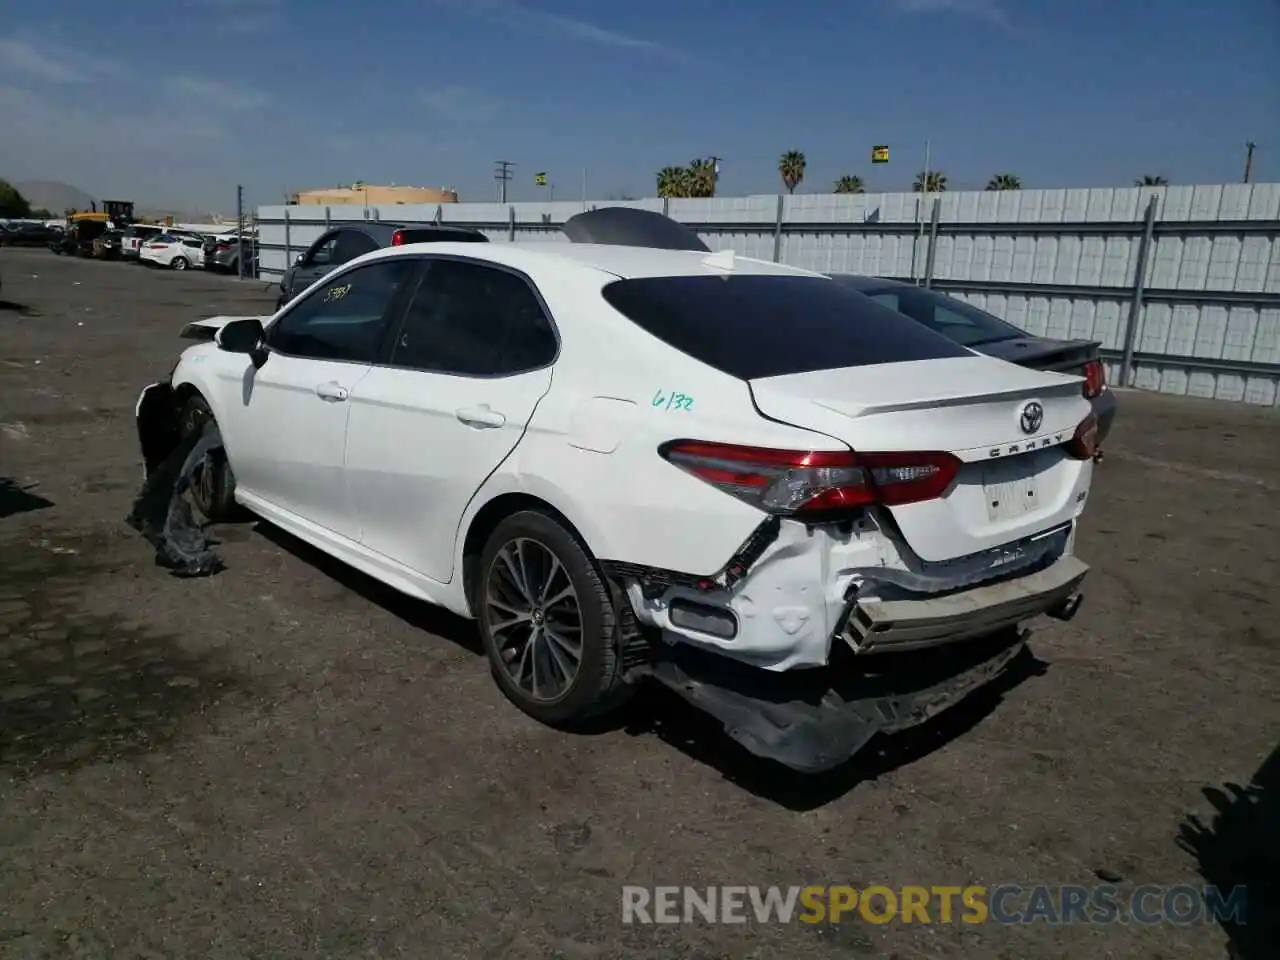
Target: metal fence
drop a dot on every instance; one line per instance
(1181, 285)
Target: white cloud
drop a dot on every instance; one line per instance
(459, 103)
(217, 93)
(529, 18)
(988, 10)
(47, 63)
(241, 16)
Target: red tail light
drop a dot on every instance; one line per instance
(397, 238)
(789, 482)
(1083, 444)
(1095, 378)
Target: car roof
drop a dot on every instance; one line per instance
(620, 261)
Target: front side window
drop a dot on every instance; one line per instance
(345, 318)
(474, 320)
(322, 254)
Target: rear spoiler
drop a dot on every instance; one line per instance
(629, 227)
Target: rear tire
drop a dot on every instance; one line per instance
(548, 622)
(213, 487)
(179, 263)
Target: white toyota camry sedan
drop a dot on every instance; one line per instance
(624, 460)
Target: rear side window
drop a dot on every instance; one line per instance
(766, 326)
(468, 319)
(351, 244)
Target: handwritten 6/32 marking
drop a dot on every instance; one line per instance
(672, 401)
(336, 293)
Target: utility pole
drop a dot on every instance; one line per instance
(240, 231)
(503, 175)
(1248, 159)
(924, 195)
(715, 167)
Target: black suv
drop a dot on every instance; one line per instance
(347, 241)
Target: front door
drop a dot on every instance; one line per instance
(466, 369)
(285, 423)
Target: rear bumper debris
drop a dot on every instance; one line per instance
(812, 721)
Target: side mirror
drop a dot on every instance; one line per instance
(297, 261)
(243, 336)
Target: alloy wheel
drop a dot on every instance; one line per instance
(534, 616)
(202, 480)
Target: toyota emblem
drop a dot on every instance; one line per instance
(1032, 417)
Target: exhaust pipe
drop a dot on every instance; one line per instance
(1066, 609)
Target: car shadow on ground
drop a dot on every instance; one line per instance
(8, 306)
(1240, 847)
(15, 498)
(656, 711)
(417, 614)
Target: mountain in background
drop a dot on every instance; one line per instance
(58, 197)
(53, 196)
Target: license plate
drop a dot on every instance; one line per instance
(1011, 490)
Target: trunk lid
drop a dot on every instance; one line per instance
(1015, 480)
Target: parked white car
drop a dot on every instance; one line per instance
(134, 236)
(720, 472)
(178, 252)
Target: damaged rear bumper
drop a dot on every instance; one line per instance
(878, 625)
(815, 720)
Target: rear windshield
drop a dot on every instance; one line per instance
(767, 326)
(952, 318)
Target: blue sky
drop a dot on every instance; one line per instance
(175, 101)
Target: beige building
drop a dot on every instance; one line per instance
(368, 194)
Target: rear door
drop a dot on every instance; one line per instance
(462, 378)
(821, 356)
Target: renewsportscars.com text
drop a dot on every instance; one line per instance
(1005, 904)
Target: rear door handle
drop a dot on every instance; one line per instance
(481, 416)
(332, 391)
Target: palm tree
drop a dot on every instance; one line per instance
(850, 183)
(937, 182)
(1149, 181)
(1005, 181)
(702, 178)
(673, 182)
(791, 166)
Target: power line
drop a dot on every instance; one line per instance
(503, 175)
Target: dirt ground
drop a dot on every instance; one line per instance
(285, 760)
